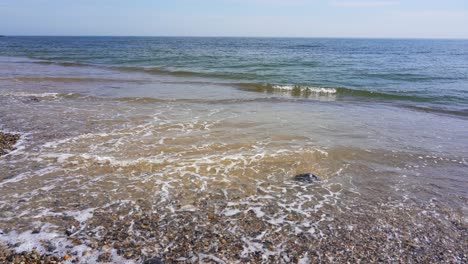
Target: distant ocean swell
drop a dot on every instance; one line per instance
(226, 74)
(253, 82)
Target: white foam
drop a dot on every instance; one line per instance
(310, 89)
(252, 246)
(277, 221)
(81, 216)
(304, 260)
(202, 257)
(25, 94)
(27, 241)
(231, 212)
(258, 211)
(188, 208)
(26, 175)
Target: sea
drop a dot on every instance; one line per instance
(185, 149)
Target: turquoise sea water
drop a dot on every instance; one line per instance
(427, 74)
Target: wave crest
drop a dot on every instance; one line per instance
(305, 89)
(294, 90)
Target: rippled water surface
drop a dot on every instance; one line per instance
(182, 150)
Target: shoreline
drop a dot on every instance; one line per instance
(190, 236)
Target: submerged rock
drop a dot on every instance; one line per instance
(32, 99)
(306, 177)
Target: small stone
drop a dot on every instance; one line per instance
(306, 177)
(68, 218)
(153, 261)
(211, 216)
(104, 257)
(66, 257)
(128, 255)
(93, 245)
(76, 241)
(32, 99)
(50, 247)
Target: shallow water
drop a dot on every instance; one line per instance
(197, 168)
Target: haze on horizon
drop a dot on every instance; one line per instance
(262, 18)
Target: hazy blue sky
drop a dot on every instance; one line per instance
(294, 18)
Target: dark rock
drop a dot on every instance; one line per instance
(32, 100)
(36, 231)
(306, 177)
(7, 142)
(153, 261)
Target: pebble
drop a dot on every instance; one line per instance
(153, 261)
(211, 216)
(104, 257)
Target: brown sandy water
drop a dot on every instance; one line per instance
(123, 167)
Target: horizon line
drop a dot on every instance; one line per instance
(234, 36)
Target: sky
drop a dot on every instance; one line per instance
(261, 18)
